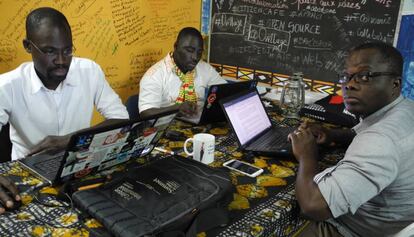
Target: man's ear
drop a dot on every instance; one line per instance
(397, 82)
(396, 86)
(175, 45)
(27, 46)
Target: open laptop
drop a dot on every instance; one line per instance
(210, 111)
(99, 148)
(252, 126)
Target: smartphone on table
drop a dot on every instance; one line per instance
(243, 167)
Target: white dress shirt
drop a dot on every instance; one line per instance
(35, 112)
(159, 87)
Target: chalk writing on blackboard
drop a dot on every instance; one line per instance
(285, 36)
(228, 23)
(276, 38)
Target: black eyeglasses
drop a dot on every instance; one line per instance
(52, 52)
(363, 77)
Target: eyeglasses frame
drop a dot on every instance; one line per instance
(55, 53)
(362, 77)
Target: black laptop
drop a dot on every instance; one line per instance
(99, 148)
(253, 129)
(211, 112)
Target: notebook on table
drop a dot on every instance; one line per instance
(252, 126)
(99, 148)
(210, 111)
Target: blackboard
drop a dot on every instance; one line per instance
(286, 36)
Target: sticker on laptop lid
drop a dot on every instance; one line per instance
(212, 97)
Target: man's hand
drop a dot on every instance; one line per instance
(303, 144)
(188, 109)
(6, 185)
(51, 145)
(305, 149)
(319, 132)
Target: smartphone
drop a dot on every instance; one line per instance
(243, 167)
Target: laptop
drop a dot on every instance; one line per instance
(253, 129)
(210, 111)
(99, 148)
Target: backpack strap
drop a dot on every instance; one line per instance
(205, 220)
(208, 219)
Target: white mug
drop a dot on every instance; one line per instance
(203, 147)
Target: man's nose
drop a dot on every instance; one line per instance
(60, 58)
(350, 85)
(194, 57)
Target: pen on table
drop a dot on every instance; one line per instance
(86, 187)
(163, 150)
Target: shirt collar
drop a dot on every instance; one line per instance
(37, 84)
(375, 117)
(169, 62)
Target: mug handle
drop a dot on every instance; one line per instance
(185, 146)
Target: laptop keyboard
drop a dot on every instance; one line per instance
(270, 141)
(49, 166)
(230, 140)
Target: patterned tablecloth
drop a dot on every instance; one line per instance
(261, 206)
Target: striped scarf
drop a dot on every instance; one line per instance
(187, 90)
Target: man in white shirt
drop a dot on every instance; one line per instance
(370, 191)
(47, 100)
(179, 80)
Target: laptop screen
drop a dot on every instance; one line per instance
(97, 151)
(247, 116)
(209, 109)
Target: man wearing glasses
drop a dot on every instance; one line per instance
(369, 192)
(48, 99)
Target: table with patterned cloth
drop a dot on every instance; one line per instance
(261, 206)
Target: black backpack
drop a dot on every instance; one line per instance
(169, 197)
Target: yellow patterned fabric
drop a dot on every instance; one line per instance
(187, 89)
(268, 199)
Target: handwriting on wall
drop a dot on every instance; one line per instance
(140, 62)
(7, 51)
(125, 37)
(285, 36)
(129, 21)
(13, 27)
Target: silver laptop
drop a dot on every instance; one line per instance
(99, 148)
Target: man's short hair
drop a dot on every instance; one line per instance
(390, 55)
(34, 19)
(189, 31)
